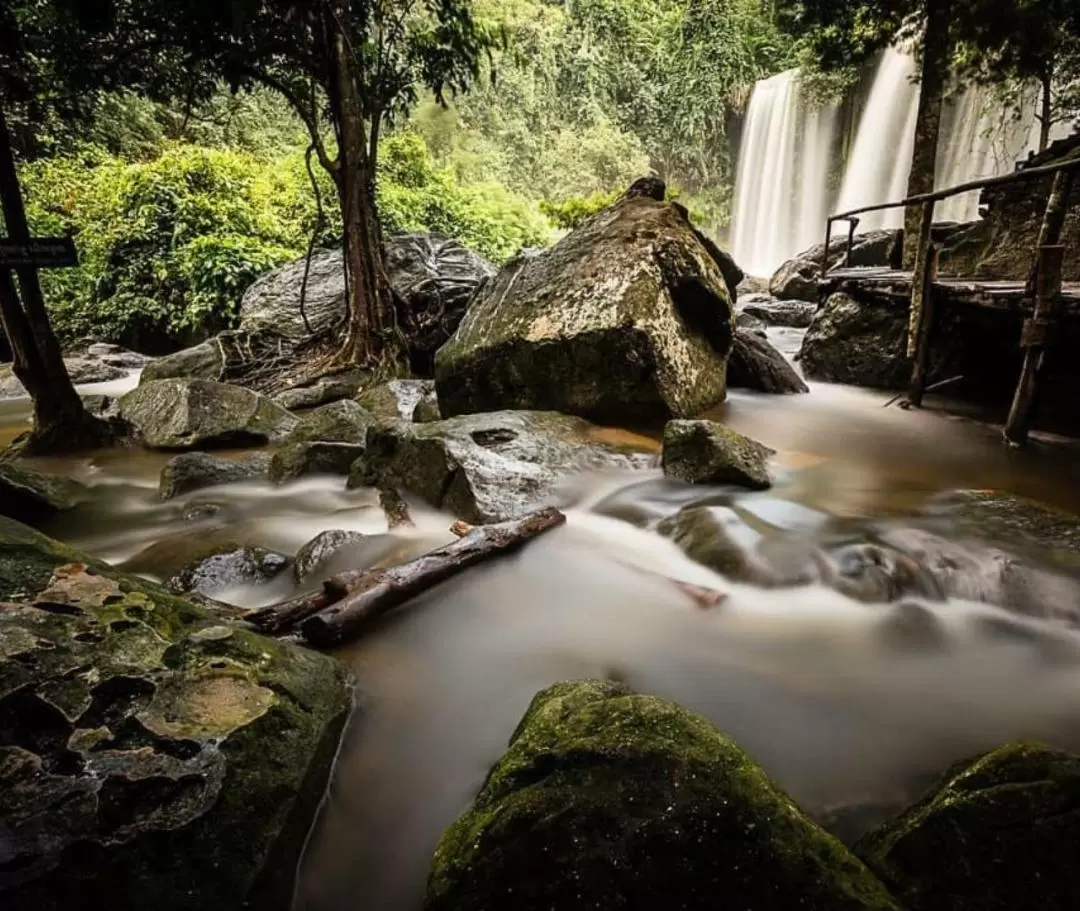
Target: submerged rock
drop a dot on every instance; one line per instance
(221, 571)
(704, 452)
(151, 756)
(397, 400)
(607, 799)
(626, 319)
(996, 834)
(485, 467)
(319, 550)
(30, 496)
(188, 414)
(196, 470)
(755, 364)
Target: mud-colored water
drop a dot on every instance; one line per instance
(814, 685)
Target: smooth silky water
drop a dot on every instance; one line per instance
(841, 713)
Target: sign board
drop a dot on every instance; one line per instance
(39, 252)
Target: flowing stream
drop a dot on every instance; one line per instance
(814, 685)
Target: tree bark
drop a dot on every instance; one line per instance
(1046, 114)
(60, 420)
(376, 592)
(935, 65)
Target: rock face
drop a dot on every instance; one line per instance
(626, 319)
(485, 467)
(188, 414)
(150, 756)
(196, 470)
(704, 452)
(397, 400)
(82, 370)
(796, 314)
(995, 835)
(797, 278)
(30, 496)
(755, 364)
(432, 277)
(607, 799)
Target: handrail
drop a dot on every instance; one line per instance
(934, 197)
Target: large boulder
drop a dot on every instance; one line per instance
(433, 279)
(397, 400)
(30, 496)
(755, 364)
(626, 319)
(195, 470)
(325, 441)
(151, 755)
(208, 360)
(485, 467)
(607, 799)
(704, 452)
(797, 278)
(193, 414)
(996, 834)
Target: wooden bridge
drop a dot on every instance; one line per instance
(1042, 299)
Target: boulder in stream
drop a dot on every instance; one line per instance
(319, 550)
(996, 834)
(797, 278)
(325, 441)
(397, 400)
(151, 754)
(208, 360)
(324, 390)
(189, 414)
(31, 496)
(755, 364)
(628, 318)
(795, 314)
(195, 470)
(82, 370)
(485, 467)
(229, 568)
(705, 452)
(609, 799)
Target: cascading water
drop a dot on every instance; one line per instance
(781, 186)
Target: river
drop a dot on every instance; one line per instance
(809, 682)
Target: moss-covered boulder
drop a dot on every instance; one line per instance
(325, 441)
(607, 799)
(333, 388)
(206, 361)
(192, 414)
(196, 470)
(295, 460)
(485, 467)
(397, 400)
(151, 755)
(338, 422)
(704, 452)
(30, 496)
(626, 319)
(997, 834)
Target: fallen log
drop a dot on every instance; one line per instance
(281, 617)
(377, 591)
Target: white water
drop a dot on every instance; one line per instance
(781, 185)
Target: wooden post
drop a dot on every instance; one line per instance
(853, 223)
(828, 240)
(1035, 340)
(926, 328)
(919, 283)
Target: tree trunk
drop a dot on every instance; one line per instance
(370, 338)
(1046, 112)
(935, 65)
(60, 420)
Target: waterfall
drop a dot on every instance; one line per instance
(877, 170)
(781, 195)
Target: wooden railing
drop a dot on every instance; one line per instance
(1043, 282)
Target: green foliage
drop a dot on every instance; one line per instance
(571, 212)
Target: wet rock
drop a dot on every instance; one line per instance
(196, 470)
(150, 754)
(744, 320)
(324, 390)
(912, 627)
(999, 515)
(397, 399)
(797, 314)
(797, 278)
(596, 780)
(168, 556)
(427, 409)
(30, 496)
(875, 574)
(752, 284)
(432, 278)
(755, 364)
(485, 467)
(704, 452)
(337, 422)
(626, 319)
(296, 460)
(996, 834)
(81, 370)
(106, 407)
(189, 414)
(320, 549)
(222, 571)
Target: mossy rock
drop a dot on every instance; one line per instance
(30, 496)
(999, 833)
(151, 755)
(704, 452)
(607, 799)
(192, 471)
(397, 400)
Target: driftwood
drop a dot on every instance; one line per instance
(371, 594)
(283, 616)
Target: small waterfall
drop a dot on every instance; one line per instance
(881, 157)
(781, 188)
